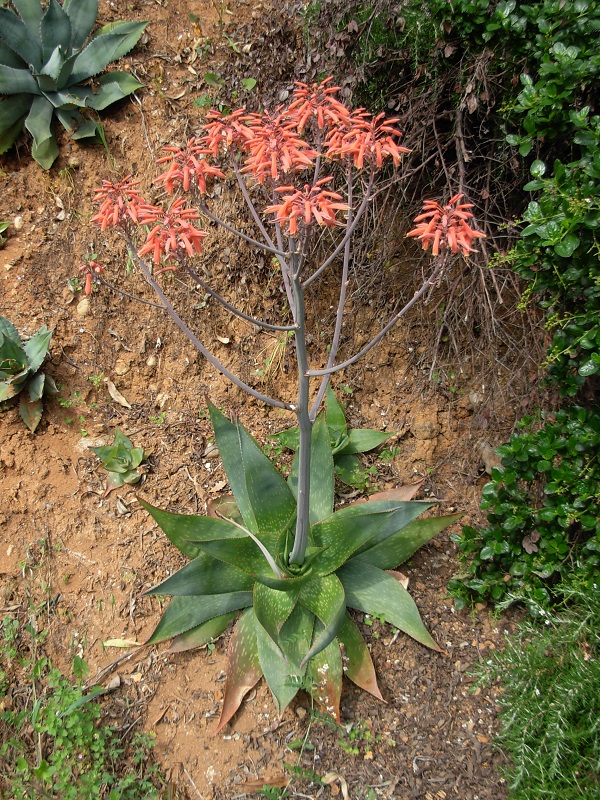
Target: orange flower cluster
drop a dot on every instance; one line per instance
(317, 101)
(313, 202)
(187, 167)
(446, 227)
(366, 139)
(171, 231)
(119, 201)
(225, 130)
(276, 147)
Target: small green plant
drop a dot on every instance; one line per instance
(53, 744)
(345, 444)
(549, 673)
(3, 228)
(159, 419)
(96, 380)
(20, 373)
(542, 510)
(121, 460)
(45, 63)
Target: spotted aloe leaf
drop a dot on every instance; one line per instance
(203, 633)
(273, 608)
(358, 664)
(324, 675)
(244, 669)
(244, 553)
(263, 497)
(184, 613)
(324, 597)
(204, 575)
(373, 591)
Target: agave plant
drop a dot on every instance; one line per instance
(44, 60)
(20, 371)
(294, 628)
(345, 443)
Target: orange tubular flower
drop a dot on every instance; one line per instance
(446, 227)
(187, 167)
(276, 147)
(367, 140)
(317, 101)
(313, 202)
(225, 130)
(89, 269)
(119, 201)
(171, 231)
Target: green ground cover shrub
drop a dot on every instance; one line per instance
(550, 702)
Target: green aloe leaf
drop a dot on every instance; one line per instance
(82, 14)
(243, 553)
(17, 81)
(55, 30)
(38, 123)
(204, 575)
(244, 670)
(48, 77)
(70, 97)
(273, 608)
(13, 113)
(31, 412)
(325, 598)
(35, 387)
(358, 663)
(31, 12)
(37, 348)
(408, 511)
(334, 414)
(202, 634)
(321, 473)
(114, 86)
(324, 675)
(109, 44)
(361, 440)
(19, 38)
(263, 497)
(180, 529)
(350, 471)
(8, 57)
(281, 666)
(401, 545)
(184, 613)
(373, 591)
(86, 129)
(348, 529)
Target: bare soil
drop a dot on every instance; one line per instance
(79, 560)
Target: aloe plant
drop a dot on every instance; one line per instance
(20, 371)
(294, 628)
(121, 460)
(345, 443)
(45, 57)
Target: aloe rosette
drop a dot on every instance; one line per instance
(44, 60)
(294, 628)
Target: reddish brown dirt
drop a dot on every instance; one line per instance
(85, 559)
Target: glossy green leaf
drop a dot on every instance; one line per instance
(358, 663)
(204, 575)
(244, 670)
(82, 14)
(31, 412)
(348, 530)
(180, 529)
(273, 608)
(281, 668)
(37, 348)
(334, 414)
(401, 545)
(15, 33)
(349, 470)
(109, 44)
(373, 591)
(55, 30)
(39, 124)
(325, 598)
(361, 440)
(184, 613)
(242, 553)
(263, 497)
(202, 634)
(324, 675)
(321, 473)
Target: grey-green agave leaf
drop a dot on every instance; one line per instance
(43, 62)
